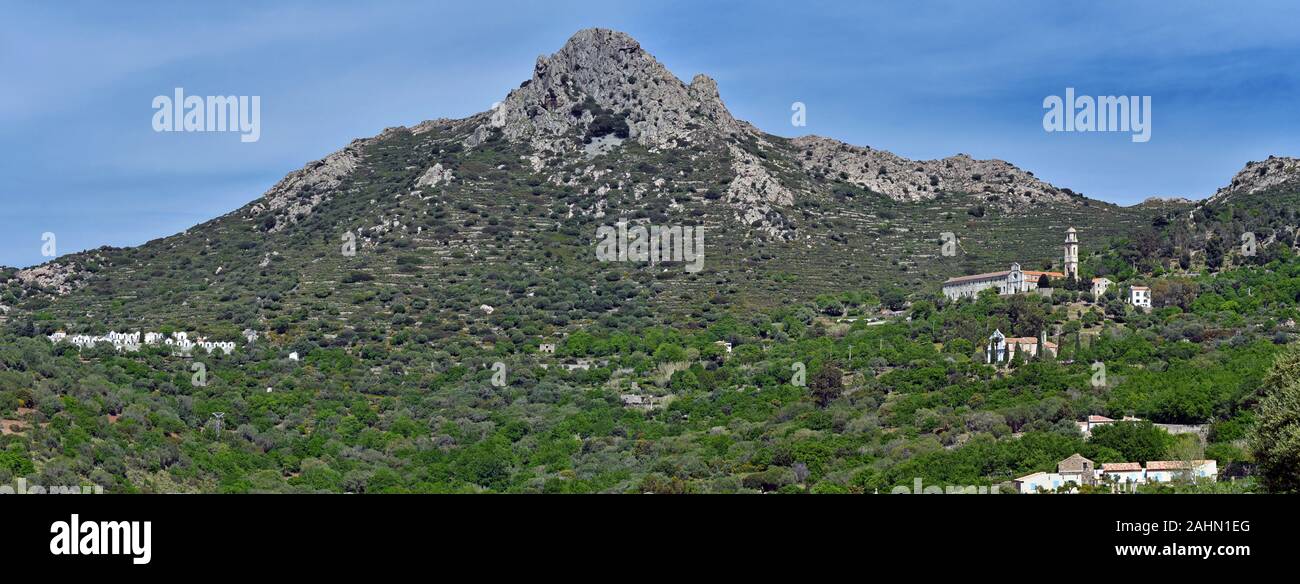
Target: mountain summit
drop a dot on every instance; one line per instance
(602, 81)
(500, 209)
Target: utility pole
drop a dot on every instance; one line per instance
(218, 416)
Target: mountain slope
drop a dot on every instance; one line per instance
(502, 209)
(408, 268)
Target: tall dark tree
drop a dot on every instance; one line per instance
(826, 384)
(1136, 441)
(1276, 436)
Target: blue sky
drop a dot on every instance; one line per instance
(79, 157)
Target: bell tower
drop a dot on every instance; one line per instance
(1071, 254)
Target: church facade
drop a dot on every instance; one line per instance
(1002, 349)
(1015, 280)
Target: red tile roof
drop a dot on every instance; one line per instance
(973, 277)
(1002, 274)
(1121, 466)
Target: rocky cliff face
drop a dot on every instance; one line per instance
(1258, 176)
(55, 277)
(623, 81)
(1001, 183)
(296, 195)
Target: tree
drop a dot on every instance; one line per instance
(1214, 251)
(893, 297)
(826, 384)
(1136, 441)
(1275, 438)
(1027, 315)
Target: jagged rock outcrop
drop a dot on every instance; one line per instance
(612, 70)
(435, 176)
(296, 195)
(57, 277)
(754, 194)
(901, 179)
(1164, 201)
(1258, 176)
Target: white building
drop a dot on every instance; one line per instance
(1140, 296)
(1100, 286)
(1002, 349)
(1037, 482)
(1015, 280)
(1163, 471)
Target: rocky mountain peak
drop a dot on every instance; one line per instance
(602, 83)
(1258, 176)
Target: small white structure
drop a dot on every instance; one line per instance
(726, 346)
(293, 356)
(1100, 286)
(1037, 482)
(1163, 471)
(1140, 296)
(486, 309)
(547, 348)
(1002, 349)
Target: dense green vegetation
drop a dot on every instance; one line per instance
(847, 372)
(884, 403)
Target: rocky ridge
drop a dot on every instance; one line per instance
(1259, 176)
(901, 179)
